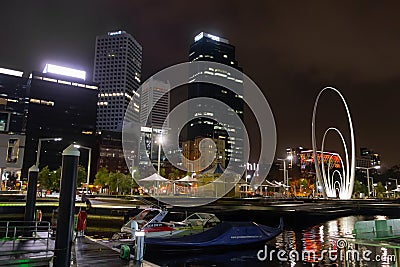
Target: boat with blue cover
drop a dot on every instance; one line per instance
(224, 234)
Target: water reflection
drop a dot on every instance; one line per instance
(305, 246)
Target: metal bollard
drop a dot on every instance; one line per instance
(139, 249)
(63, 244)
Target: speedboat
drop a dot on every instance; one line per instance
(225, 234)
(153, 221)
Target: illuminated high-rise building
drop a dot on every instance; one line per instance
(154, 109)
(117, 70)
(207, 47)
(154, 94)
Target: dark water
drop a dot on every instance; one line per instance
(319, 238)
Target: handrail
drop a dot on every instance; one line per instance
(14, 231)
(145, 201)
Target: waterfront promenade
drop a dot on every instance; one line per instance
(89, 251)
(39, 251)
(130, 205)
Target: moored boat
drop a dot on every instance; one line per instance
(153, 221)
(225, 234)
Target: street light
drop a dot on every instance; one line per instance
(397, 185)
(285, 172)
(133, 178)
(160, 140)
(89, 162)
(367, 169)
(39, 147)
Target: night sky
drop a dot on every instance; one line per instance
(291, 50)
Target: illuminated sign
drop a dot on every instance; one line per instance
(116, 33)
(202, 34)
(11, 72)
(253, 166)
(145, 129)
(50, 68)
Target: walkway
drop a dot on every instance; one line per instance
(89, 253)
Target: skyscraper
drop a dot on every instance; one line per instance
(117, 70)
(154, 109)
(60, 105)
(207, 47)
(151, 91)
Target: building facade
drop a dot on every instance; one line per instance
(13, 114)
(191, 151)
(111, 155)
(154, 94)
(117, 71)
(207, 47)
(368, 158)
(59, 107)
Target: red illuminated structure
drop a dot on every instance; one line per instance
(331, 160)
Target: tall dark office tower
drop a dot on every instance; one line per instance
(207, 47)
(59, 106)
(117, 70)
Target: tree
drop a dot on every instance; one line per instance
(82, 176)
(380, 189)
(125, 183)
(162, 172)
(48, 179)
(175, 174)
(102, 177)
(359, 188)
(114, 181)
(171, 176)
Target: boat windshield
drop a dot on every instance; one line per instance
(146, 215)
(174, 217)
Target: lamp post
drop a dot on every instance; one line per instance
(39, 147)
(89, 162)
(397, 185)
(133, 178)
(160, 140)
(367, 169)
(285, 171)
(191, 168)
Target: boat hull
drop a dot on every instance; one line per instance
(225, 234)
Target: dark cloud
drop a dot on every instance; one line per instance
(291, 49)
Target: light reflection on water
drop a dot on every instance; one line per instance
(323, 236)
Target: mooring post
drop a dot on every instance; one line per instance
(31, 195)
(66, 207)
(139, 252)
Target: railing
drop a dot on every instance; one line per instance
(20, 238)
(145, 201)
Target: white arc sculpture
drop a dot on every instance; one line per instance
(326, 179)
